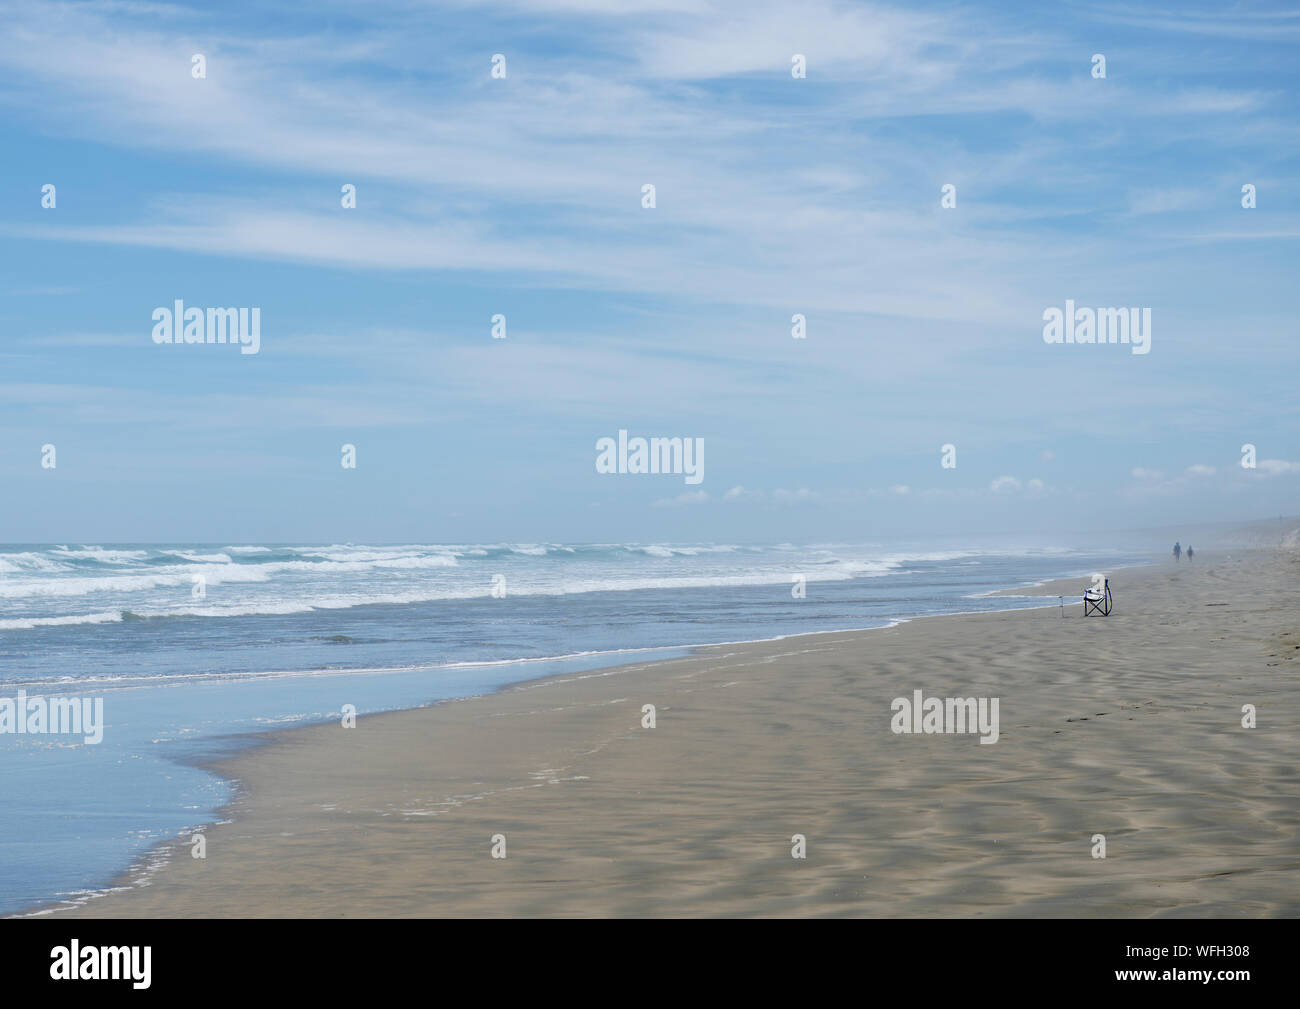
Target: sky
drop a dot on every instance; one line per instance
(522, 195)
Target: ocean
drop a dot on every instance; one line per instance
(192, 648)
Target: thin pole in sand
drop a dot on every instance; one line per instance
(1062, 598)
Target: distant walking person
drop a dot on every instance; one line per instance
(1190, 552)
(1178, 552)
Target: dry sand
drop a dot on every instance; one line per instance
(1128, 726)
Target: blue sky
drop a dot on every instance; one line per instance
(522, 196)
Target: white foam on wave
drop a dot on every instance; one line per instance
(479, 589)
(27, 623)
(664, 550)
(214, 572)
(102, 555)
(153, 680)
(27, 562)
(172, 575)
(344, 576)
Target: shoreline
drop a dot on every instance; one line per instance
(241, 769)
(180, 679)
(143, 867)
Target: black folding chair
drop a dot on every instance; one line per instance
(1097, 599)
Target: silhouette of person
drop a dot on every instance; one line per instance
(1178, 552)
(1190, 552)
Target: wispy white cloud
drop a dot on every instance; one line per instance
(1236, 21)
(691, 497)
(448, 177)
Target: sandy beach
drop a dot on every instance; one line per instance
(1128, 726)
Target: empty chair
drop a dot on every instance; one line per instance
(1096, 598)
